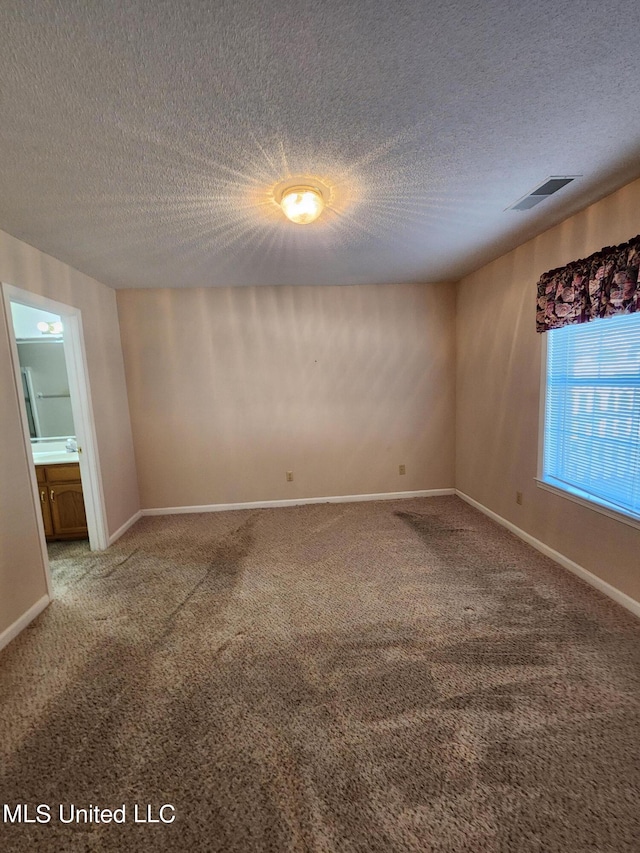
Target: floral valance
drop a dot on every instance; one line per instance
(604, 284)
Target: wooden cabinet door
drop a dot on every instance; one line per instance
(46, 510)
(67, 509)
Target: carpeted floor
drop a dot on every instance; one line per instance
(370, 677)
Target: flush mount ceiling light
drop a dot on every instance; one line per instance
(302, 204)
(302, 198)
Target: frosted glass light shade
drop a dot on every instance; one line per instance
(50, 328)
(302, 204)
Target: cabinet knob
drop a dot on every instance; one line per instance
(43, 495)
(52, 495)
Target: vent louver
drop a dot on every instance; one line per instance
(548, 187)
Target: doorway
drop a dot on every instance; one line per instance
(73, 457)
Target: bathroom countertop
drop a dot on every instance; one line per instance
(54, 457)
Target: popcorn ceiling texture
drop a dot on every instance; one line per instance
(368, 677)
(140, 141)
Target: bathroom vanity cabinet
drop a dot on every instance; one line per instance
(61, 501)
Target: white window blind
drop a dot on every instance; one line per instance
(592, 412)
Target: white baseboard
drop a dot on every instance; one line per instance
(334, 499)
(20, 624)
(123, 528)
(593, 580)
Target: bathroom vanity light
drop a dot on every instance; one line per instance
(302, 204)
(50, 328)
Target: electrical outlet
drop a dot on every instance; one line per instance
(289, 476)
(519, 498)
(402, 469)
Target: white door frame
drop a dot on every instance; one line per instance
(81, 408)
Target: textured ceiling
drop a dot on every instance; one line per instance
(140, 141)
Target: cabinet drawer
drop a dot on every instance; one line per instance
(63, 473)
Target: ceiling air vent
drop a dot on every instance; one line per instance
(550, 186)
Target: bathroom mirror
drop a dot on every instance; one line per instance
(39, 338)
(46, 388)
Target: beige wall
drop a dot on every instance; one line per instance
(498, 386)
(231, 387)
(21, 571)
(22, 580)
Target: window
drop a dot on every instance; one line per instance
(592, 412)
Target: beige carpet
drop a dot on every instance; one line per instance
(379, 677)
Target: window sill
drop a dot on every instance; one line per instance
(589, 503)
